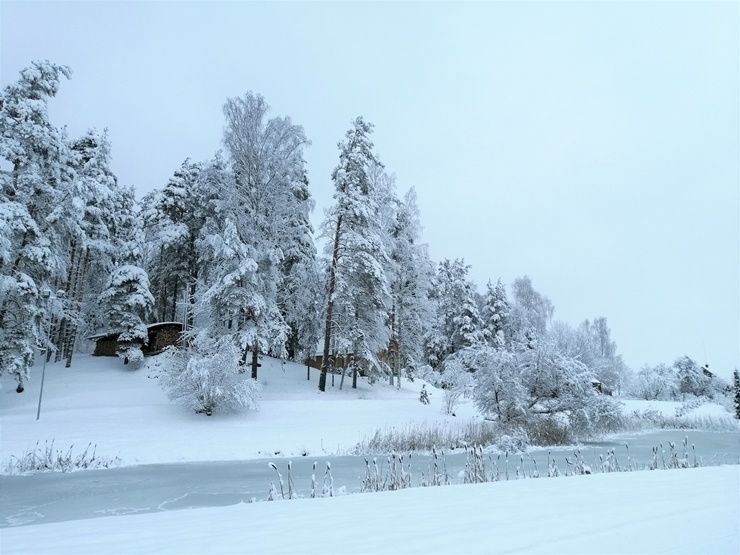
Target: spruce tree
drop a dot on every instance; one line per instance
(736, 391)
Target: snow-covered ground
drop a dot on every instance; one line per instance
(126, 414)
(671, 511)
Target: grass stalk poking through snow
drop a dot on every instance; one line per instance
(47, 459)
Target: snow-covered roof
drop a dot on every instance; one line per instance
(100, 335)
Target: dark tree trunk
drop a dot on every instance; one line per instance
(255, 363)
(330, 307)
(175, 295)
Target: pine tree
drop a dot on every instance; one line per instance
(457, 322)
(173, 218)
(736, 391)
(357, 281)
(86, 214)
(32, 248)
(411, 277)
(299, 290)
(128, 303)
(468, 325)
(495, 314)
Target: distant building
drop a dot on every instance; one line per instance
(600, 387)
(159, 336)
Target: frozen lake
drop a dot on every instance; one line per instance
(44, 498)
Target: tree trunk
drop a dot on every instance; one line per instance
(159, 307)
(397, 358)
(341, 380)
(175, 295)
(391, 350)
(330, 306)
(77, 295)
(255, 363)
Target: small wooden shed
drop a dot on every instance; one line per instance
(159, 336)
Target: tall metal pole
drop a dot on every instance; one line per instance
(46, 294)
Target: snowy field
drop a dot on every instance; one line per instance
(126, 414)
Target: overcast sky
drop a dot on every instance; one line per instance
(592, 146)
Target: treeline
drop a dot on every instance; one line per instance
(227, 248)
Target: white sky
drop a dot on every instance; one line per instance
(593, 146)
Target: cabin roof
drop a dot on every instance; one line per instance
(149, 327)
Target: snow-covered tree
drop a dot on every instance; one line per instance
(691, 379)
(237, 299)
(32, 248)
(559, 384)
(456, 381)
(173, 219)
(495, 314)
(266, 204)
(468, 325)
(127, 303)
(299, 291)
(499, 390)
(457, 323)
(736, 392)
(603, 359)
(656, 383)
(530, 314)
(411, 276)
(587, 344)
(357, 281)
(86, 213)
(205, 377)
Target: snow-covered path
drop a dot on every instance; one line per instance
(671, 511)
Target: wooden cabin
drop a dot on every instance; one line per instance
(159, 336)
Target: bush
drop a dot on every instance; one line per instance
(518, 442)
(208, 381)
(547, 431)
(456, 380)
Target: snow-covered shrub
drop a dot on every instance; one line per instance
(424, 395)
(518, 442)
(206, 380)
(456, 380)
